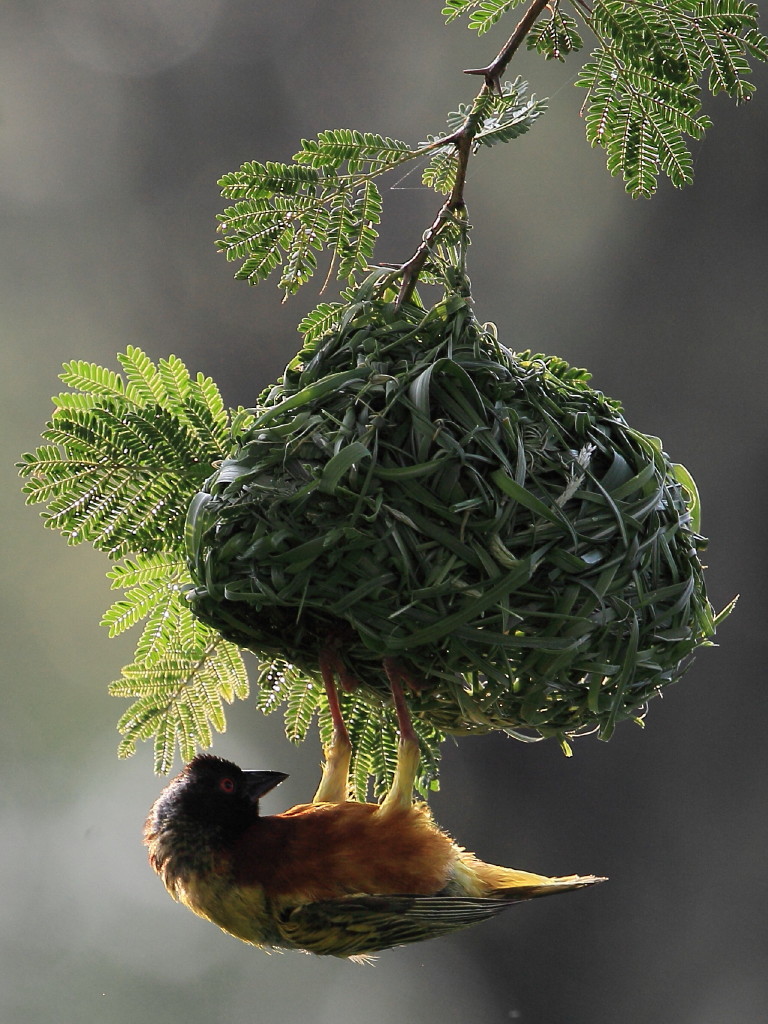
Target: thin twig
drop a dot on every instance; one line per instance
(454, 204)
(463, 140)
(493, 72)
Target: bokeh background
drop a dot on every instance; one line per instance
(115, 122)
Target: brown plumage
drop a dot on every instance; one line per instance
(331, 877)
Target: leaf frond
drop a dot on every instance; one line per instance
(510, 115)
(362, 152)
(440, 172)
(556, 36)
(124, 456)
(321, 320)
(180, 695)
(284, 214)
(482, 14)
(645, 80)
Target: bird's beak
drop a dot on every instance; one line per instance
(259, 783)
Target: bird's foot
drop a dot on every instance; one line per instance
(334, 784)
(400, 794)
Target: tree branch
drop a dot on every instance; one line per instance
(455, 203)
(493, 72)
(463, 140)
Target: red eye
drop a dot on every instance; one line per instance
(227, 786)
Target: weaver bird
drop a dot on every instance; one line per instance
(335, 876)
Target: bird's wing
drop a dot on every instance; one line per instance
(356, 925)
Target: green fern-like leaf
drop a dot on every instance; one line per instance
(180, 694)
(125, 455)
(273, 684)
(306, 234)
(722, 50)
(375, 758)
(361, 236)
(362, 767)
(495, 119)
(93, 379)
(183, 671)
(321, 320)
(640, 121)
(483, 14)
(362, 152)
(150, 583)
(304, 700)
(255, 180)
(455, 8)
(440, 172)
(279, 229)
(645, 80)
(556, 36)
(284, 214)
(509, 115)
(352, 234)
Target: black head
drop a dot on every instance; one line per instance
(212, 795)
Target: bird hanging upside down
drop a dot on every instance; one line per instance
(334, 877)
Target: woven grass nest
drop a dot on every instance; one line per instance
(411, 488)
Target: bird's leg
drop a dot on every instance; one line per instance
(400, 795)
(334, 785)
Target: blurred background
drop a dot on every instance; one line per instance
(115, 122)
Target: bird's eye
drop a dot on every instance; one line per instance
(227, 785)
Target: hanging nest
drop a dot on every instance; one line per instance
(413, 489)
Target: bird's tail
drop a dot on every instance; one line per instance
(476, 878)
(544, 887)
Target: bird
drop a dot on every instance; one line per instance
(336, 876)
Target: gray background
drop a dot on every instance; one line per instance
(115, 122)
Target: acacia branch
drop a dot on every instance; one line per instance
(493, 72)
(463, 139)
(454, 204)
